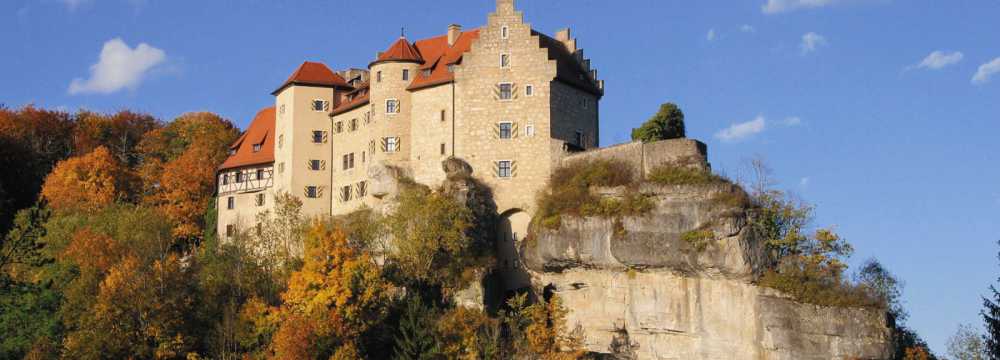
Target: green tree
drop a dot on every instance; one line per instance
(415, 340)
(991, 318)
(882, 284)
(668, 123)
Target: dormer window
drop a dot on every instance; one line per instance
(427, 72)
(451, 68)
(257, 147)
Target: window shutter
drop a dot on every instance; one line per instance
(496, 169)
(399, 144)
(513, 130)
(385, 144)
(513, 168)
(319, 191)
(326, 106)
(322, 165)
(326, 136)
(496, 130)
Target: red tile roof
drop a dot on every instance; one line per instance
(438, 55)
(401, 50)
(260, 132)
(358, 97)
(316, 74)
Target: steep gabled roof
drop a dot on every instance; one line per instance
(401, 50)
(260, 132)
(438, 56)
(568, 68)
(313, 74)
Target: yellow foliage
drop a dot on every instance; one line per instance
(547, 334)
(459, 330)
(87, 182)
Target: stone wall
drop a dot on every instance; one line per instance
(646, 156)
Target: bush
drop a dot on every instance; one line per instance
(668, 123)
(671, 174)
(569, 192)
(699, 240)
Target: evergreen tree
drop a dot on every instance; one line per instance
(991, 316)
(416, 335)
(668, 123)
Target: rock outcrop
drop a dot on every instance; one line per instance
(641, 288)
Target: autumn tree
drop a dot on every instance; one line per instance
(179, 165)
(966, 344)
(337, 296)
(120, 133)
(88, 182)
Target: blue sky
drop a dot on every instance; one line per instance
(867, 108)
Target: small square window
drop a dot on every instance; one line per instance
(506, 91)
(257, 147)
(529, 90)
(320, 105)
(529, 130)
(504, 168)
(317, 137)
(391, 144)
(427, 73)
(451, 68)
(506, 130)
(230, 203)
(392, 106)
(312, 192)
(315, 165)
(406, 74)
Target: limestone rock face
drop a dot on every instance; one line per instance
(642, 277)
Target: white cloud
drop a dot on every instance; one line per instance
(740, 131)
(747, 28)
(792, 121)
(780, 6)
(804, 182)
(811, 41)
(938, 59)
(711, 36)
(986, 72)
(119, 67)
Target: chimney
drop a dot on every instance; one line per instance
(454, 30)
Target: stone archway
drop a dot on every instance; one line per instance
(511, 230)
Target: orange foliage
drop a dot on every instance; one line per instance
(294, 339)
(916, 353)
(120, 132)
(339, 292)
(92, 250)
(87, 182)
(186, 190)
(547, 335)
(459, 329)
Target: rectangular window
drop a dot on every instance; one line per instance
(225, 179)
(260, 199)
(504, 168)
(345, 193)
(281, 141)
(442, 149)
(378, 76)
(281, 168)
(444, 115)
(391, 144)
(406, 74)
(529, 130)
(506, 91)
(504, 32)
(391, 106)
(260, 174)
(338, 127)
(451, 68)
(427, 72)
(320, 105)
(506, 130)
(239, 177)
(312, 192)
(529, 90)
(230, 203)
(348, 161)
(317, 137)
(362, 189)
(504, 61)
(230, 230)
(353, 125)
(363, 157)
(579, 138)
(257, 147)
(315, 165)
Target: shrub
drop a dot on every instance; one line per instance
(673, 174)
(699, 240)
(569, 192)
(668, 123)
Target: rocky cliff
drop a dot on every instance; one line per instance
(676, 283)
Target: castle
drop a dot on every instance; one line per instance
(506, 99)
